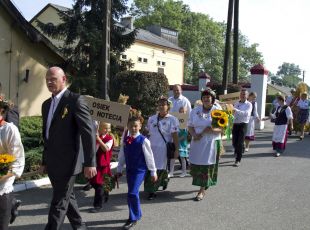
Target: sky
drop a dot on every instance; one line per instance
(280, 27)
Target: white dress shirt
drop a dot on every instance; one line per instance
(54, 103)
(303, 104)
(242, 112)
(180, 102)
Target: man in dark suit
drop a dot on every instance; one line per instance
(69, 141)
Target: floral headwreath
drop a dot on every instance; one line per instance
(163, 98)
(135, 115)
(6, 104)
(208, 91)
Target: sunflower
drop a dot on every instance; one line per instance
(217, 113)
(223, 121)
(6, 158)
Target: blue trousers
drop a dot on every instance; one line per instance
(134, 181)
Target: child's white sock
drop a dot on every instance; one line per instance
(171, 171)
(183, 162)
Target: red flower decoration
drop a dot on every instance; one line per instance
(129, 139)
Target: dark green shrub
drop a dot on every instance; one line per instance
(143, 89)
(268, 108)
(270, 98)
(31, 132)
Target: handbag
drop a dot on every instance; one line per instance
(169, 145)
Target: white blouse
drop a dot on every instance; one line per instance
(167, 125)
(203, 151)
(10, 142)
(303, 104)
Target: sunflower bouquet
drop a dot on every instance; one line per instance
(6, 161)
(222, 119)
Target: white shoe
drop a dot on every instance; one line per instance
(170, 175)
(237, 164)
(246, 149)
(278, 154)
(183, 175)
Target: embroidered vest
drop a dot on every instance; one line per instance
(104, 158)
(281, 118)
(134, 156)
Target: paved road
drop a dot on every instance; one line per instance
(264, 193)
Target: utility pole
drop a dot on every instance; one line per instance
(236, 42)
(303, 76)
(104, 79)
(227, 46)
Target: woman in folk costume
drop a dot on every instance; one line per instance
(205, 145)
(250, 133)
(161, 126)
(283, 121)
(105, 144)
(10, 144)
(137, 154)
(303, 113)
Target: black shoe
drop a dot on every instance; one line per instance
(87, 187)
(106, 197)
(14, 211)
(129, 224)
(164, 187)
(95, 209)
(151, 196)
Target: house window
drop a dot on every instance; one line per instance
(124, 56)
(158, 62)
(160, 70)
(139, 59)
(163, 63)
(144, 60)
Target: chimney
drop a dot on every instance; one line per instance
(127, 22)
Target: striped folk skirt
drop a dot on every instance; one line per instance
(163, 180)
(206, 175)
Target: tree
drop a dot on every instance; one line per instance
(289, 73)
(81, 32)
(201, 37)
(149, 85)
(289, 69)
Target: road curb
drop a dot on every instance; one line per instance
(25, 185)
(21, 186)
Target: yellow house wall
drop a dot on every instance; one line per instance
(174, 60)
(18, 53)
(50, 15)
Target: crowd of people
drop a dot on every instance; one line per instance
(74, 144)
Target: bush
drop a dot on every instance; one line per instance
(268, 108)
(270, 98)
(31, 132)
(143, 89)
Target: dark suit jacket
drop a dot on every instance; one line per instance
(71, 139)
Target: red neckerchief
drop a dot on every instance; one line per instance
(129, 139)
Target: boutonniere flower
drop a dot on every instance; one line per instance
(65, 112)
(129, 139)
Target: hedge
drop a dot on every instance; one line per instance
(143, 89)
(31, 134)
